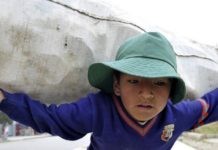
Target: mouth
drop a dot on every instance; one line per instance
(145, 106)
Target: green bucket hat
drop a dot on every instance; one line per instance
(148, 55)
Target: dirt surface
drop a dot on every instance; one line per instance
(200, 141)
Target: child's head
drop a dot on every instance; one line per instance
(147, 59)
(143, 98)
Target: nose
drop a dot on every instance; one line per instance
(146, 90)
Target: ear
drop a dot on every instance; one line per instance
(116, 86)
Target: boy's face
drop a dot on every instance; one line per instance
(143, 98)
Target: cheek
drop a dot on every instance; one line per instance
(128, 98)
(163, 92)
(162, 96)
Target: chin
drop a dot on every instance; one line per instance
(145, 118)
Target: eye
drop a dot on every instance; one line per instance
(133, 81)
(160, 83)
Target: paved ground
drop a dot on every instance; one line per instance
(46, 142)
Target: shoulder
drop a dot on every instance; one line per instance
(185, 109)
(98, 99)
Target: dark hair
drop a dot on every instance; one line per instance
(117, 74)
(173, 85)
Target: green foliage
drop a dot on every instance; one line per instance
(4, 118)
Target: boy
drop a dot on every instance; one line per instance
(135, 108)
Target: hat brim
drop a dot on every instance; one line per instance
(100, 75)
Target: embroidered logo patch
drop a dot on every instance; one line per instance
(167, 132)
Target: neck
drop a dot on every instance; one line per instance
(142, 122)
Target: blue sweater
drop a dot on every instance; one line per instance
(111, 126)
